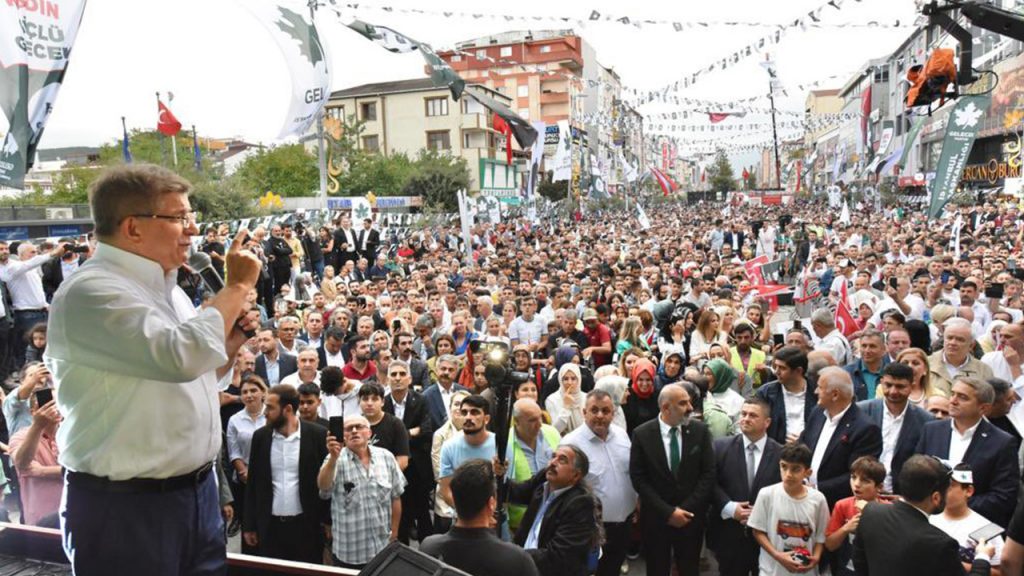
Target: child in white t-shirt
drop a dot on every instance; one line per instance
(959, 521)
(789, 518)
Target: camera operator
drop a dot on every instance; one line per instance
(311, 248)
(215, 248)
(57, 270)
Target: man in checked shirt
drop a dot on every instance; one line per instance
(365, 486)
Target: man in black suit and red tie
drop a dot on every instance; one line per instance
(672, 466)
(744, 464)
(838, 433)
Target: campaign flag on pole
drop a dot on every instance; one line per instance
(753, 269)
(195, 150)
(390, 40)
(126, 152)
(844, 319)
(35, 46)
(961, 129)
(166, 123)
(641, 217)
(666, 183)
(501, 126)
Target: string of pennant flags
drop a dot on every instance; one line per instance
(813, 18)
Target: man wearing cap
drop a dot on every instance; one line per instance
(599, 338)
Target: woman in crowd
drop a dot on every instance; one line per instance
(566, 405)
(642, 404)
(241, 427)
(631, 337)
(707, 333)
(721, 377)
(443, 344)
(627, 361)
(380, 340)
(670, 371)
(618, 388)
(567, 353)
(675, 335)
(762, 326)
(920, 388)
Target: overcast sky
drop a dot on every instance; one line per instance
(229, 79)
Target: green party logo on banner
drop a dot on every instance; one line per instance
(962, 127)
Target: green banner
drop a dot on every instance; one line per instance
(961, 128)
(908, 144)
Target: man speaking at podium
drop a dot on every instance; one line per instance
(136, 368)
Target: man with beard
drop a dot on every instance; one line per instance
(272, 365)
(284, 515)
(418, 371)
(360, 367)
(474, 442)
(747, 360)
(410, 409)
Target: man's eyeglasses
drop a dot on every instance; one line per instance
(184, 219)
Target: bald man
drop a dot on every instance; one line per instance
(531, 445)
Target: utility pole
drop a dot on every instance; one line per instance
(321, 153)
(769, 66)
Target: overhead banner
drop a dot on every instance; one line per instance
(35, 45)
(961, 129)
(561, 165)
(536, 155)
(291, 25)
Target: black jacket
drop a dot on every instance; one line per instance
(287, 365)
(479, 552)
(416, 415)
(568, 531)
(910, 432)
(855, 436)
(53, 276)
(897, 540)
(659, 489)
(259, 492)
(772, 392)
(731, 486)
(281, 251)
(372, 242)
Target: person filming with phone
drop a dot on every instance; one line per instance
(34, 454)
(136, 368)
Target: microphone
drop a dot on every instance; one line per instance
(201, 263)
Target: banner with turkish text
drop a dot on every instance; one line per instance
(961, 129)
(35, 46)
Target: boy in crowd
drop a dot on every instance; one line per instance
(866, 477)
(959, 521)
(789, 518)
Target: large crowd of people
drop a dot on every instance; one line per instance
(676, 406)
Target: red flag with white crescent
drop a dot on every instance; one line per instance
(845, 322)
(166, 123)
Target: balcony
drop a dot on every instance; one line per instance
(568, 58)
(475, 122)
(554, 98)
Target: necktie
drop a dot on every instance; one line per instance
(751, 469)
(673, 449)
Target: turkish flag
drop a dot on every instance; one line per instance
(501, 126)
(166, 123)
(716, 117)
(845, 322)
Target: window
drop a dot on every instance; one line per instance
(437, 106)
(525, 113)
(371, 143)
(439, 140)
(368, 110)
(545, 49)
(465, 140)
(506, 51)
(456, 57)
(481, 54)
(523, 90)
(336, 112)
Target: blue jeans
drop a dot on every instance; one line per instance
(173, 533)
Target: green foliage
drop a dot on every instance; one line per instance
(720, 173)
(382, 175)
(288, 171)
(437, 178)
(750, 182)
(553, 191)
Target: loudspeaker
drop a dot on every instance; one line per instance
(397, 559)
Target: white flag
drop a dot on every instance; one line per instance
(844, 217)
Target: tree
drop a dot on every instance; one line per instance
(287, 171)
(382, 175)
(720, 173)
(437, 178)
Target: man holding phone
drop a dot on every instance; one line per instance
(34, 455)
(138, 395)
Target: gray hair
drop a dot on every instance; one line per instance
(449, 358)
(522, 403)
(957, 322)
(399, 364)
(983, 390)
(823, 317)
(665, 390)
(835, 378)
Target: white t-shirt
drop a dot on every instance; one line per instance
(790, 524)
(960, 530)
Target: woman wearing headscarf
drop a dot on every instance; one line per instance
(643, 401)
(567, 353)
(670, 371)
(721, 377)
(618, 388)
(566, 405)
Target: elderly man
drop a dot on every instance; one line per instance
(1008, 363)
(970, 438)
(837, 434)
(896, 340)
(955, 360)
(156, 370)
(558, 529)
(484, 309)
(531, 446)
(307, 373)
(364, 484)
(25, 284)
(867, 370)
(438, 395)
(831, 339)
(672, 466)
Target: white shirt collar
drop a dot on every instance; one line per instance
(946, 360)
(834, 420)
(760, 443)
(297, 435)
(966, 435)
(888, 413)
(146, 271)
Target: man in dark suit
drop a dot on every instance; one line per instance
(790, 367)
(969, 438)
(280, 255)
(897, 539)
(471, 545)
(744, 464)
(438, 395)
(6, 331)
(418, 368)
(344, 243)
(367, 241)
(894, 411)
(410, 407)
(837, 434)
(559, 528)
(284, 514)
(53, 271)
(672, 466)
(273, 365)
(734, 239)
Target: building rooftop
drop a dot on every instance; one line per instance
(830, 92)
(513, 37)
(401, 86)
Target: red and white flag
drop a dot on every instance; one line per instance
(845, 322)
(166, 123)
(753, 269)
